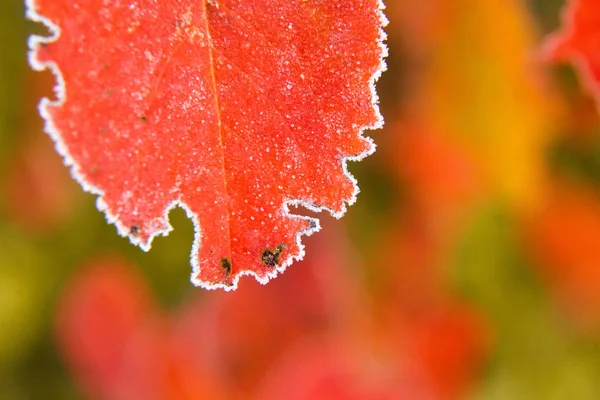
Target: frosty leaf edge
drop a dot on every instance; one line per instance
(558, 47)
(35, 42)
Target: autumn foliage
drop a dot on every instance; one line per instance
(469, 267)
(233, 110)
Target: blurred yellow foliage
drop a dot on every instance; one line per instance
(485, 89)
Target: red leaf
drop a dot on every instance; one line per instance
(447, 348)
(107, 330)
(323, 368)
(579, 41)
(233, 110)
(119, 345)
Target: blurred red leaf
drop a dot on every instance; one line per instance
(108, 331)
(323, 369)
(564, 239)
(578, 41)
(433, 358)
(448, 346)
(119, 345)
(231, 109)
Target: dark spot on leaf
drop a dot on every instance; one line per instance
(143, 118)
(104, 66)
(94, 169)
(271, 257)
(134, 230)
(226, 265)
(108, 92)
(103, 130)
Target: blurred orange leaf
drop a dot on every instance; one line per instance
(564, 237)
(477, 84)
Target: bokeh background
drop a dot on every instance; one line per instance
(468, 269)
